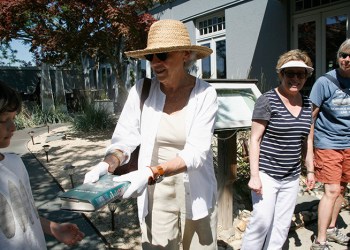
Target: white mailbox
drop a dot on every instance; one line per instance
(236, 102)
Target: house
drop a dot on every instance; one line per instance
(247, 36)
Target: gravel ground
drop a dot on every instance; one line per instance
(84, 150)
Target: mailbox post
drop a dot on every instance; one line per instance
(236, 99)
(227, 173)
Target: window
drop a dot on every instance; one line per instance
(335, 31)
(308, 4)
(211, 25)
(221, 59)
(211, 33)
(206, 69)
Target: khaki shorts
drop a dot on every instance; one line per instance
(332, 166)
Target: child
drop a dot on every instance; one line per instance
(20, 225)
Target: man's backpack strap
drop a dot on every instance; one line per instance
(337, 83)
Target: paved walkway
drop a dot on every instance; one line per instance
(45, 190)
(302, 238)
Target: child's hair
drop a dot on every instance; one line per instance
(10, 100)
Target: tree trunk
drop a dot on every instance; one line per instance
(47, 102)
(85, 62)
(60, 96)
(121, 93)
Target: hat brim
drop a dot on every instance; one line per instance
(201, 51)
(296, 64)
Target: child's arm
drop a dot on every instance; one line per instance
(67, 233)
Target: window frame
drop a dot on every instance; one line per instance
(211, 39)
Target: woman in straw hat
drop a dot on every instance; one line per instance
(281, 126)
(175, 183)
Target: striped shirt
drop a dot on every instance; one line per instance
(281, 145)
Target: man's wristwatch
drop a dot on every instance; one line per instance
(157, 177)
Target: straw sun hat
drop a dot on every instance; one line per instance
(167, 36)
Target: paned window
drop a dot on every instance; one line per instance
(211, 25)
(308, 4)
(211, 33)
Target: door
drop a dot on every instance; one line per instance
(320, 35)
(335, 32)
(308, 32)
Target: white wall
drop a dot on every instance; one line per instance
(256, 34)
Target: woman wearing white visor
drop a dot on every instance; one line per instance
(280, 132)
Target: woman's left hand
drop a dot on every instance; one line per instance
(67, 233)
(255, 184)
(138, 181)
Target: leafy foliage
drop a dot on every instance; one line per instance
(243, 170)
(34, 117)
(23, 120)
(93, 119)
(62, 30)
(66, 32)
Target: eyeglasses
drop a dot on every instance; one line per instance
(343, 55)
(161, 56)
(292, 74)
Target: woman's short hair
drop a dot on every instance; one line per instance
(193, 57)
(10, 100)
(294, 55)
(344, 47)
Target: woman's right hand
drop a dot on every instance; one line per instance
(255, 184)
(97, 171)
(138, 181)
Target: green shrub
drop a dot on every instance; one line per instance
(23, 120)
(30, 117)
(44, 117)
(93, 119)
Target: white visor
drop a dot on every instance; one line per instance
(296, 64)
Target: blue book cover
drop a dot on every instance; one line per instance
(93, 196)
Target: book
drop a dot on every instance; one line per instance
(90, 197)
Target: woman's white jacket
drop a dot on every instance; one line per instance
(199, 179)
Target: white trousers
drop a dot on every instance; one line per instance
(272, 213)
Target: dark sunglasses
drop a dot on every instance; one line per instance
(343, 55)
(292, 74)
(161, 56)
